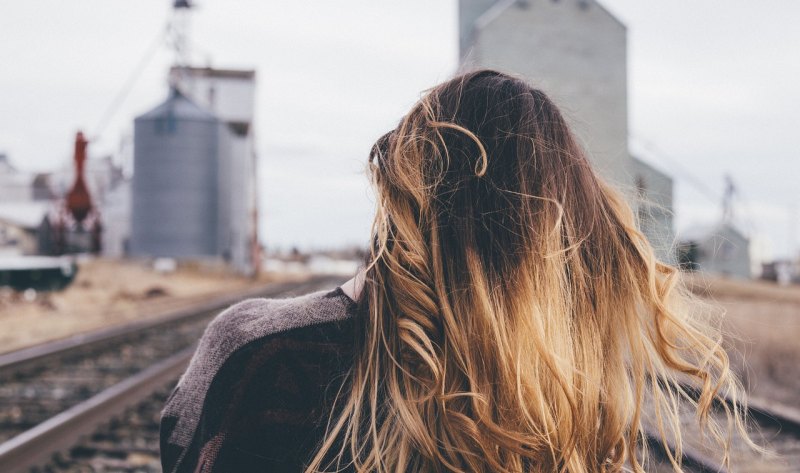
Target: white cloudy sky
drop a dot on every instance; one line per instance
(713, 89)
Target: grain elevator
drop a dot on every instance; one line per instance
(194, 182)
(576, 52)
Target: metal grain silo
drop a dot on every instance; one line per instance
(230, 95)
(175, 193)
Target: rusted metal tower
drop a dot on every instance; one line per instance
(78, 200)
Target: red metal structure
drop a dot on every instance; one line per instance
(74, 226)
(79, 202)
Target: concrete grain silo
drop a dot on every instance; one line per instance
(175, 185)
(576, 51)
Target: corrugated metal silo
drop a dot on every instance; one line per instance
(230, 94)
(175, 193)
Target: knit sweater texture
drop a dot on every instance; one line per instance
(257, 393)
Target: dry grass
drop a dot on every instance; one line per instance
(763, 322)
(109, 292)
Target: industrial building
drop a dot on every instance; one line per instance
(720, 247)
(19, 227)
(654, 208)
(193, 189)
(230, 95)
(576, 52)
(18, 186)
(716, 248)
(25, 200)
(51, 213)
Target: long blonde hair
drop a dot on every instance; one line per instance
(516, 319)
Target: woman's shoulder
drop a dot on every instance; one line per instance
(241, 335)
(258, 317)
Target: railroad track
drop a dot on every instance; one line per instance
(137, 394)
(128, 443)
(777, 428)
(53, 394)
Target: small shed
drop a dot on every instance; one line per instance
(718, 248)
(20, 224)
(654, 208)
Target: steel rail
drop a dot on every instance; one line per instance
(786, 418)
(763, 412)
(65, 429)
(691, 457)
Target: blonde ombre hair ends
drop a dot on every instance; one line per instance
(514, 318)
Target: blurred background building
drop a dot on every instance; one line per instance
(57, 212)
(186, 187)
(230, 95)
(24, 203)
(576, 52)
(718, 248)
(191, 194)
(194, 171)
(194, 178)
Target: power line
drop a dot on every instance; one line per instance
(679, 169)
(129, 83)
(698, 184)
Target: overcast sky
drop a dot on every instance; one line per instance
(713, 90)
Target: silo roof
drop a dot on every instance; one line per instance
(179, 106)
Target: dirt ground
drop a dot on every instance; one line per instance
(109, 292)
(763, 324)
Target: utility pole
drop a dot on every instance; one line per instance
(727, 200)
(794, 220)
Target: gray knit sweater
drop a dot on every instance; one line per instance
(254, 395)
